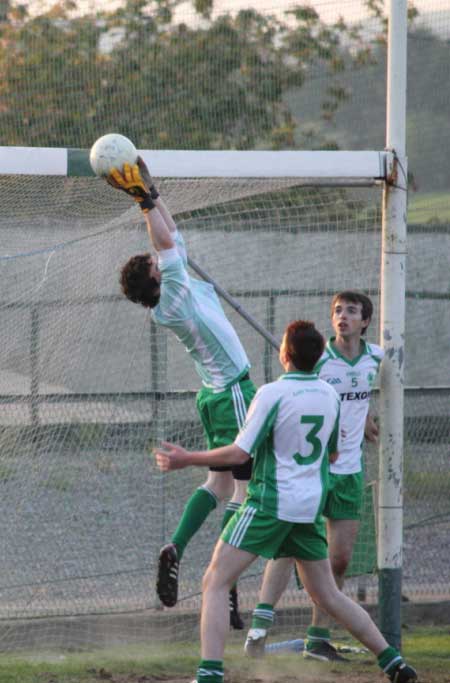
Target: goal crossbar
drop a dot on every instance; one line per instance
(314, 165)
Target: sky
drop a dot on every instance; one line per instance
(331, 10)
(436, 11)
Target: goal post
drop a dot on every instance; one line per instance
(338, 167)
(88, 384)
(392, 333)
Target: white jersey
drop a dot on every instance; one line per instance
(192, 310)
(292, 424)
(353, 381)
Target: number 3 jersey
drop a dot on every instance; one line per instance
(353, 381)
(291, 426)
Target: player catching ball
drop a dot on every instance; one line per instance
(291, 429)
(190, 308)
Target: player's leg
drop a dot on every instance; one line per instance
(226, 566)
(275, 580)
(343, 511)
(218, 486)
(341, 534)
(248, 534)
(227, 412)
(239, 494)
(318, 580)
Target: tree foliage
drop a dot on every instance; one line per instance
(216, 83)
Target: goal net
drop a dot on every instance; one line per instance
(88, 384)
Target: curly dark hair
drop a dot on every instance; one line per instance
(355, 297)
(136, 283)
(304, 344)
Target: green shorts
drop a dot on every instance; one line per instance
(222, 414)
(345, 496)
(264, 535)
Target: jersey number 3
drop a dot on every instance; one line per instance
(316, 421)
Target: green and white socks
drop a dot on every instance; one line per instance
(262, 616)
(315, 635)
(389, 659)
(209, 671)
(229, 512)
(196, 510)
(199, 506)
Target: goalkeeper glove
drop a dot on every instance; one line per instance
(133, 183)
(148, 180)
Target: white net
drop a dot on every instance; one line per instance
(88, 384)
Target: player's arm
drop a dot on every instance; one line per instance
(158, 231)
(137, 182)
(333, 441)
(371, 429)
(172, 457)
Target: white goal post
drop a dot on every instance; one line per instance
(336, 167)
(87, 371)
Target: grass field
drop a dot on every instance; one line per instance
(428, 649)
(429, 207)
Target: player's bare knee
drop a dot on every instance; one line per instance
(214, 580)
(339, 564)
(221, 484)
(240, 491)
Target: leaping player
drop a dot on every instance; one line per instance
(190, 308)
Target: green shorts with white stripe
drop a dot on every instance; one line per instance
(222, 414)
(261, 534)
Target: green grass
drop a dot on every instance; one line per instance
(427, 648)
(430, 207)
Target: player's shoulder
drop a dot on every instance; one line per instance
(271, 390)
(326, 356)
(327, 388)
(375, 351)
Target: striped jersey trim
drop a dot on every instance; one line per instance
(240, 409)
(241, 527)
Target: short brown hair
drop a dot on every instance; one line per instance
(355, 297)
(136, 283)
(303, 344)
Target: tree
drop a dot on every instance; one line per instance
(216, 84)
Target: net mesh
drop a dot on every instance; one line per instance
(88, 384)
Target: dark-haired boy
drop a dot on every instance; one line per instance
(291, 431)
(191, 309)
(350, 365)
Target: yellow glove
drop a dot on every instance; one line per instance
(131, 182)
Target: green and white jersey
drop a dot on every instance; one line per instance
(291, 426)
(192, 310)
(353, 381)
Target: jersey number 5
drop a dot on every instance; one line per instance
(316, 421)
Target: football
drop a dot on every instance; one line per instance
(111, 151)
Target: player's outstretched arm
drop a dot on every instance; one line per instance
(137, 182)
(371, 430)
(172, 457)
(165, 213)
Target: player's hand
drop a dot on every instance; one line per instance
(332, 457)
(133, 183)
(171, 457)
(371, 430)
(144, 172)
